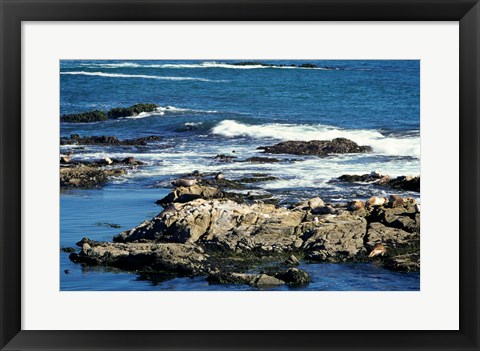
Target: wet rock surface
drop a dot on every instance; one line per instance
(116, 112)
(84, 176)
(76, 139)
(407, 183)
(320, 148)
(87, 174)
(202, 233)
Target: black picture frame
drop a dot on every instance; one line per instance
(13, 12)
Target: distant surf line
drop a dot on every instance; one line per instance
(121, 75)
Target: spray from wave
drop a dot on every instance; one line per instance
(121, 75)
(392, 146)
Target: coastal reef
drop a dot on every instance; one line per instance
(87, 174)
(76, 139)
(259, 244)
(407, 183)
(307, 65)
(117, 112)
(320, 148)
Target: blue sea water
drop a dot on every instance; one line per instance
(214, 107)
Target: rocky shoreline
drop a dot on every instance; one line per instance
(116, 112)
(259, 244)
(407, 183)
(231, 232)
(87, 174)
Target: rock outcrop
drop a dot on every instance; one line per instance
(320, 148)
(200, 233)
(76, 139)
(85, 174)
(407, 183)
(117, 112)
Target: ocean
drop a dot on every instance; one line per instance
(208, 108)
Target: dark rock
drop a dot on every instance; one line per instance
(130, 160)
(201, 233)
(224, 158)
(353, 178)
(407, 183)
(308, 65)
(252, 63)
(403, 263)
(109, 225)
(335, 240)
(149, 256)
(264, 281)
(86, 176)
(133, 110)
(256, 179)
(317, 147)
(294, 276)
(262, 64)
(262, 160)
(324, 210)
(68, 249)
(292, 260)
(85, 117)
(75, 139)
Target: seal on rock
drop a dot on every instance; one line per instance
(315, 202)
(376, 201)
(184, 182)
(378, 250)
(170, 209)
(355, 205)
(396, 201)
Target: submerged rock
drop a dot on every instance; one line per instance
(87, 176)
(224, 158)
(294, 277)
(320, 148)
(407, 183)
(85, 117)
(76, 139)
(262, 160)
(170, 257)
(405, 263)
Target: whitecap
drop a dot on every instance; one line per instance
(121, 75)
(392, 146)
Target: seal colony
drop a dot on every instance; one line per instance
(223, 239)
(224, 229)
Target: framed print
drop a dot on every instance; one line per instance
(239, 175)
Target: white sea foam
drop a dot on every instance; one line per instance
(393, 146)
(206, 64)
(162, 110)
(121, 75)
(111, 65)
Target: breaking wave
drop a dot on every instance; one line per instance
(121, 75)
(391, 145)
(162, 110)
(206, 64)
